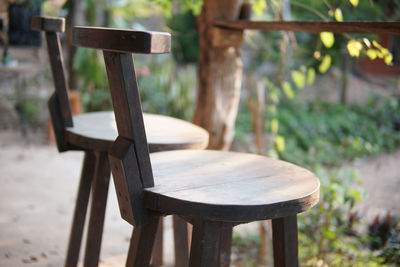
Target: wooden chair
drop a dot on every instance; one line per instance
(94, 133)
(212, 190)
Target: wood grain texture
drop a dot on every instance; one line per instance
(142, 242)
(220, 73)
(285, 241)
(181, 244)
(125, 41)
(59, 106)
(48, 24)
(59, 79)
(225, 246)
(205, 241)
(97, 130)
(128, 185)
(158, 251)
(78, 221)
(313, 26)
(128, 110)
(229, 186)
(58, 124)
(100, 185)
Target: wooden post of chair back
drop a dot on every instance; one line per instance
(59, 106)
(129, 155)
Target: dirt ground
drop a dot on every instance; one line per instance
(37, 194)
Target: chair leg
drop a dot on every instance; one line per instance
(181, 242)
(204, 248)
(78, 221)
(285, 242)
(157, 255)
(142, 243)
(225, 245)
(99, 201)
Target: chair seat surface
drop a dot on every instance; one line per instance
(98, 130)
(229, 186)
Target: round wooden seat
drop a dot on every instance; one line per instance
(229, 186)
(98, 130)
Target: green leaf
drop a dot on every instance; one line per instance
(311, 76)
(385, 51)
(388, 59)
(327, 38)
(272, 109)
(287, 88)
(338, 14)
(325, 64)
(376, 44)
(280, 143)
(274, 126)
(259, 6)
(354, 2)
(372, 54)
(354, 47)
(299, 78)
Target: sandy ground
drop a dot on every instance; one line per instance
(37, 194)
(381, 182)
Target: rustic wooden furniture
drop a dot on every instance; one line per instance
(94, 133)
(213, 190)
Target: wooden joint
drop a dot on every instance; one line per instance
(58, 124)
(48, 24)
(225, 37)
(128, 185)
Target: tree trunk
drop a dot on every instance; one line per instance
(220, 73)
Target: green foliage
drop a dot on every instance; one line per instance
(89, 65)
(317, 134)
(245, 247)
(167, 89)
(183, 5)
(28, 110)
(326, 233)
(299, 78)
(126, 12)
(324, 133)
(185, 47)
(327, 38)
(384, 236)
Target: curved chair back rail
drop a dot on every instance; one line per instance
(48, 24)
(124, 41)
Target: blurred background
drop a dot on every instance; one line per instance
(327, 102)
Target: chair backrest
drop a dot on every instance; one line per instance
(59, 106)
(129, 156)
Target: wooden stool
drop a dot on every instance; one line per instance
(213, 190)
(94, 133)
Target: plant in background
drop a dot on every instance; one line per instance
(169, 89)
(165, 87)
(326, 233)
(185, 47)
(329, 134)
(384, 236)
(89, 64)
